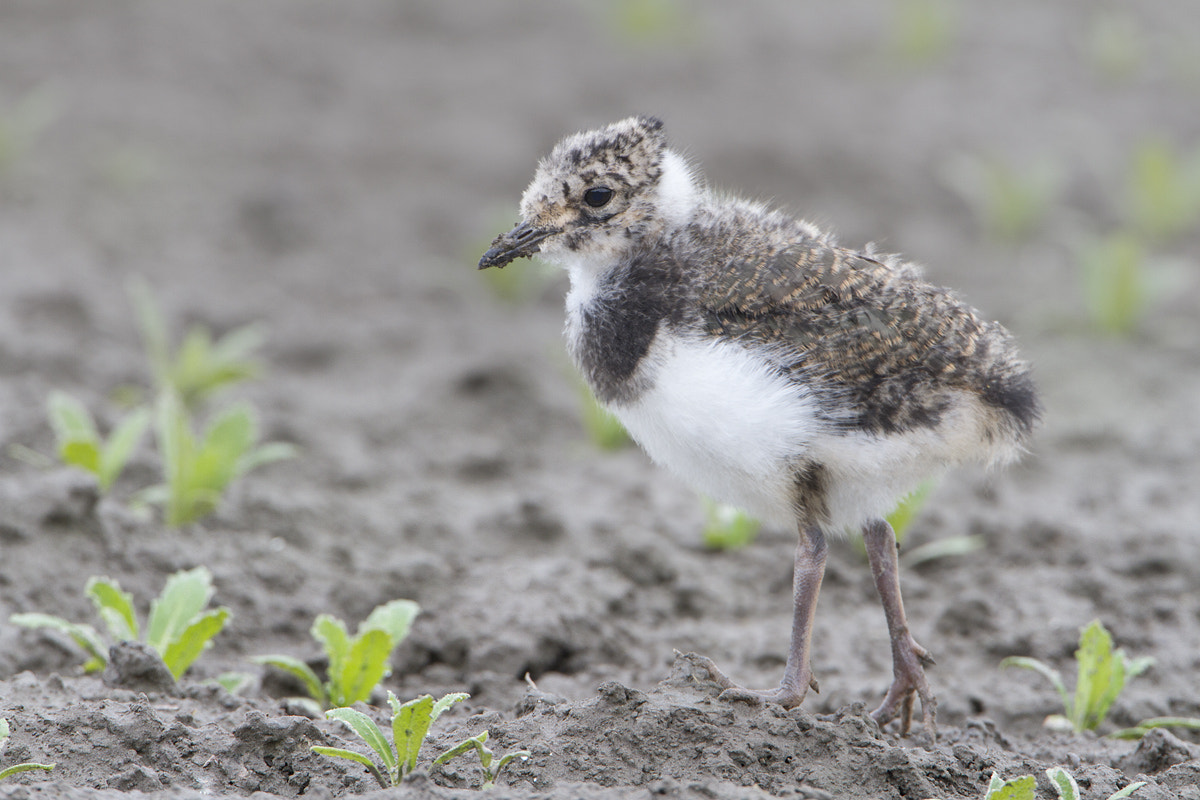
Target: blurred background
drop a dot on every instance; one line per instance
(334, 170)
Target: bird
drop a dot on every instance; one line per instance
(771, 368)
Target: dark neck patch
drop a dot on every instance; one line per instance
(619, 325)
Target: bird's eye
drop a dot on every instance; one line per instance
(597, 196)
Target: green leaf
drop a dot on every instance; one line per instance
(4, 730)
(265, 454)
(297, 668)
(121, 444)
(1127, 791)
(1063, 783)
(230, 436)
(331, 633)
(1146, 725)
(1101, 677)
(1021, 788)
(83, 635)
(365, 666)
(1044, 670)
(445, 702)
(394, 618)
(476, 743)
(115, 607)
(338, 752)
(183, 598)
(368, 731)
(70, 419)
(153, 328)
(909, 507)
(19, 768)
(194, 640)
(727, 527)
(410, 726)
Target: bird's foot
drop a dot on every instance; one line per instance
(909, 683)
(788, 694)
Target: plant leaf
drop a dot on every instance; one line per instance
(70, 419)
(1146, 725)
(227, 440)
(19, 768)
(410, 726)
(184, 596)
(475, 742)
(115, 607)
(365, 665)
(297, 668)
(1127, 791)
(368, 731)
(121, 444)
(394, 618)
(153, 328)
(265, 454)
(339, 752)
(445, 702)
(331, 633)
(1101, 677)
(83, 635)
(1043, 669)
(1021, 788)
(194, 640)
(1063, 783)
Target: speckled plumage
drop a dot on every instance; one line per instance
(751, 354)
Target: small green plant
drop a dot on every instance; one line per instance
(79, 443)
(1064, 783)
(16, 769)
(1146, 725)
(1164, 190)
(1024, 787)
(356, 663)
(1016, 201)
(201, 366)
(411, 722)
(197, 471)
(1102, 673)
(179, 628)
(1114, 282)
(603, 428)
(486, 757)
(727, 527)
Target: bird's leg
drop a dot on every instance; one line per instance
(908, 657)
(807, 573)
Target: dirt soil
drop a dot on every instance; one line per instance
(334, 170)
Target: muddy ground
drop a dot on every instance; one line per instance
(333, 170)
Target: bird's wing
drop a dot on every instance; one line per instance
(889, 341)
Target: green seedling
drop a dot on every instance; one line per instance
(658, 23)
(1024, 787)
(1102, 673)
(923, 30)
(603, 428)
(179, 628)
(411, 722)
(486, 757)
(1064, 783)
(727, 527)
(1147, 725)
(197, 471)
(201, 366)
(1164, 190)
(1011, 201)
(80, 445)
(1114, 282)
(356, 663)
(16, 769)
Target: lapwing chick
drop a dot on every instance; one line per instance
(747, 352)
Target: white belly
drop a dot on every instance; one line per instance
(722, 420)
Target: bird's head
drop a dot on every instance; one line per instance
(597, 194)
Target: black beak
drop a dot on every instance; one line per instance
(521, 242)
